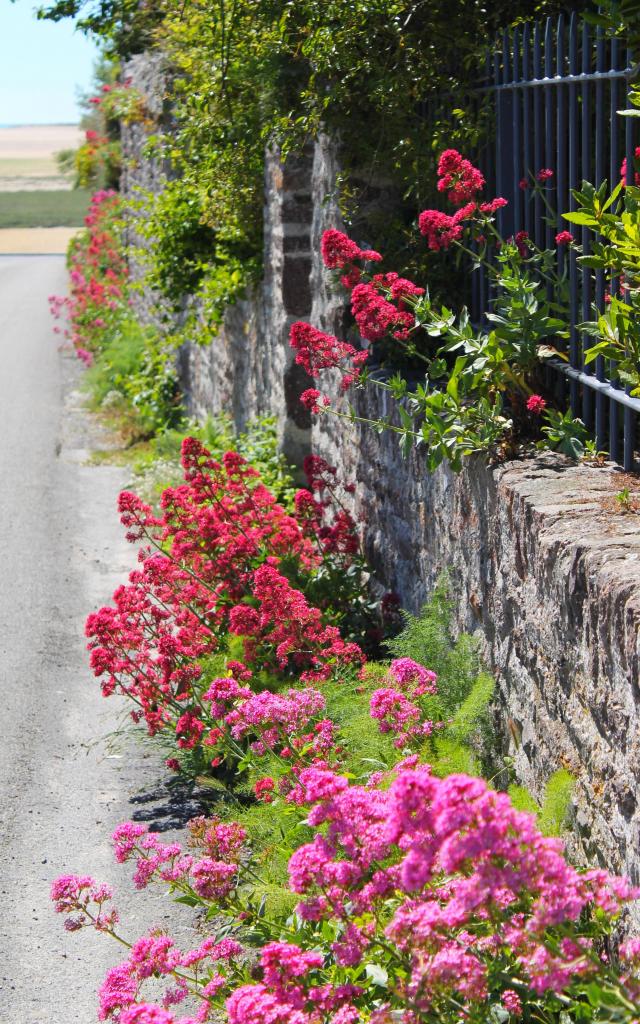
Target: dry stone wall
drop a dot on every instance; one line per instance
(545, 567)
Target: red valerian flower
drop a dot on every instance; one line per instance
(376, 316)
(263, 789)
(313, 400)
(523, 184)
(521, 241)
(458, 177)
(495, 205)
(564, 238)
(351, 279)
(623, 169)
(439, 229)
(338, 250)
(318, 351)
(544, 174)
(536, 405)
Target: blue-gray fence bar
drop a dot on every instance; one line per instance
(558, 88)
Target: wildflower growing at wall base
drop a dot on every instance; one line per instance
(438, 886)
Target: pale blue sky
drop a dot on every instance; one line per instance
(42, 66)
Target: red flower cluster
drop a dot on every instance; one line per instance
(317, 351)
(440, 229)
(339, 251)
(210, 568)
(98, 274)
(321, 508)
(536, 405)
(623, 169)
(376, 316)
(459, 178)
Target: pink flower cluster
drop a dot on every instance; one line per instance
(623, 169)
(397, 706)
(212, 876)
(438, 883)
(85, 898)
(476, 882)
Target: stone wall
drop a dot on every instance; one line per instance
(248, 370)
(544, 565)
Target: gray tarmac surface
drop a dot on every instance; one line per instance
(62, 554)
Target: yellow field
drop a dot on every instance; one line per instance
(28, 164)
(27, 156)
(34, 241)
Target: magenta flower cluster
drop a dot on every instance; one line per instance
(439, 885)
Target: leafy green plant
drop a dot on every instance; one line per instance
(614, 220)
(556, 802)
(564, 433)
(158, 465)
(464, 691)
(134, 376)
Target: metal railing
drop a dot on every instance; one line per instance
(557, 89)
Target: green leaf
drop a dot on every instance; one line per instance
(582, 218)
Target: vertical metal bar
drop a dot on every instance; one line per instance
(499, 128)
(526, 124)
(538, 223)
(561, 121)
(549, 97)
(587, 393)
(517, 132)
(600, 175)
(614, 173)
(574, 340)
(561, 176)
(489, 165)
(629, 420)
(507, 140)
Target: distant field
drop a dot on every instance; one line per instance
(43, 209)
(35, 241)
(30, 167)
(37, 140)
(27, 156)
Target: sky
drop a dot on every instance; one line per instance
(43, 65)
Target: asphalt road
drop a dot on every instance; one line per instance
(62, 553)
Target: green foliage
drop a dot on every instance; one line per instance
(556, 802)
(615, 249)
(564, 433)
(182, 245)
(464, 690)
(522, 800)
(249, 74)
(134, 376)
(428, 639)
(124, 25)
(477, 381)
(158, 466)
(43, 209)
(553, 813)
